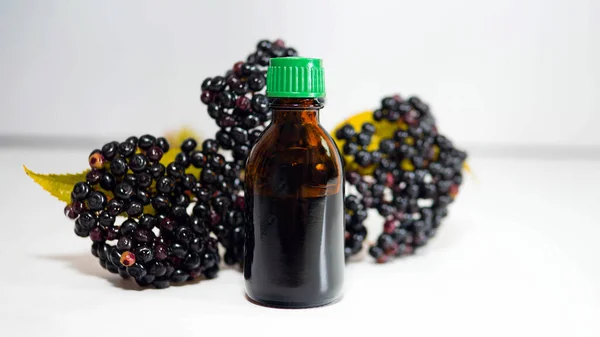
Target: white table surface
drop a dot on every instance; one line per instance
(517, 256)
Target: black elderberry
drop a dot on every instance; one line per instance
(114, 207)
(109, 150)
(163, 144)
(350, 148)
(134, 208)
(175, 170)
(363, 139)
(118, 166)
(96, 201)
(106, 219)
(136, 271)
(128, 227)
(93, 176)
(182, 159)
(206, 83)
(124, 191)
(156, 170)
(81, 191)
(144, 254)
(161, 203)
(217, 83)
(127, 149)
(178, 250)
(87, 220)
(179, 212)
(146, 141)
(224, 139)
(188, 145)
(260, 103)
(387, 146)
(144, 180)
(225, 100)
(210, 146)
(241, 152)
(346, 132)
(80, 231)
(363, 158)
(138, 163)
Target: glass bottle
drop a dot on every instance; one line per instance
(294, 253)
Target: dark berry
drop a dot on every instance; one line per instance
(206, 96)
(87, 220)
(179, 276)
(210, 146)
(118, 166)
(363, 139)
(217, 83)
(136, 270)
(206, 83)
(109, 150)
(114, 207)
(81, 191)
(224, 140)
(124, 243)
(163, 144)
(256, 82)
(138, 163)
(192, 261)
(93, 176)
(260, 103)
(188, 145)
(175, 170)
(134, 209)
(146, 141)
(363, 158)
(124, 191)
(127, 149)
(241, 151)
(208, 176)
(156, 170)
(161, 203)
(387, 146)
(96, 201)
(128, 227)
(105, 219)
(182, 159)
(178, 250)
(147, 221)
(350, 148)
(251, 122)
(346, 132)
(97, 234)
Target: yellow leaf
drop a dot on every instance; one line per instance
(385, 129)
(58, 185)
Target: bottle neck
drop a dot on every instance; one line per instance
(296, 110)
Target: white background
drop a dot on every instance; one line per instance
(517, 256)
(510, 72)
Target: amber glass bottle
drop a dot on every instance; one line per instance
(294, 254)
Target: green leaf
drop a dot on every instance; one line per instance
(58, 185)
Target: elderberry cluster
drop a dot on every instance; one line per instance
(413, 176)
(237, 103)
(157, 242)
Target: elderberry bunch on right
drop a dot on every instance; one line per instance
(410, 176)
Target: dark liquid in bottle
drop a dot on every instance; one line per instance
(294, 251)
(297, 258)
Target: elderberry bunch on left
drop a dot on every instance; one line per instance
(134, 209)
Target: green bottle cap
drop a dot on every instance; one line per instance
(297, 77)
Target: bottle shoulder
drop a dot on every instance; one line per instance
(295, 155)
